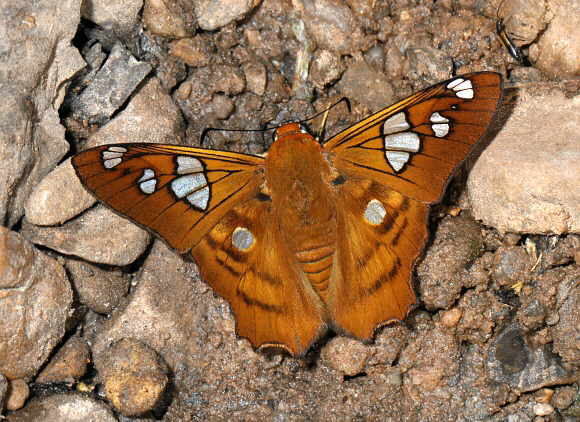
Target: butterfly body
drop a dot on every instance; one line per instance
(299, 179)
(310, 237)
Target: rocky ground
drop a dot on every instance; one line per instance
(101, 322)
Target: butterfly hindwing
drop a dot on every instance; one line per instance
(380, 234)
(179, 193)
(415, 145)
(246, 260)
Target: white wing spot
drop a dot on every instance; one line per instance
(397, 159)
(193, 184)
(406, 141)
(440, 129)
(398, 146)
(107, 155)
(184, 185)
(462, 87)
(148, 187)
(437, 118)
(454, 83)
(113, 156)
(243, 239)
(186, 165)
(375, 212)
(147, 182)
(395, 123)
(109, 164)
(199, 198)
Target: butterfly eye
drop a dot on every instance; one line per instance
(303, 129)
(275, 136)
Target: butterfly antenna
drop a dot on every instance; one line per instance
(328, 109)
(208, 129)
(325, 113)
(264, 129)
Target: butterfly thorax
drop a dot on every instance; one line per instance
(298, 178)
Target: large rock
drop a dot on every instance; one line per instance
(526, 180)
(35, 300)
(37, 60)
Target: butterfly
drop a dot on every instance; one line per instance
(309, 237)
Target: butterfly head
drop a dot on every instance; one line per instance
(294, 131)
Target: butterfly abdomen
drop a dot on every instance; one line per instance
(316, 259)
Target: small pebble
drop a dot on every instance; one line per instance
(18, 392)
(543, 409)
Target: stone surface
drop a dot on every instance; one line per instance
(68, 364)
(214, 14)
(193, 51)
(346, 355)
(256, 77)
(37, 61)
(119, 16)
(481, 313)
(18, 392)
(333, 25)
(431, 65)
(70, 407)
(111, 86)
(151, 116)
(537, 299)
(173, 19)
(99, 289)
(443, 270)
(163, 312)
(567, 331)
(564, 397)
(134, 377)
(558, 47)
(58, 197)
(511, 360)
(98, 235)
(511, 265)
(360, 82)
(35, 299)
(526, 180)
(326, 67)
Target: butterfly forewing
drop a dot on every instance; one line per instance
(177, 192)
(414, 146)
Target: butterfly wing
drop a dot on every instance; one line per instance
(178, 193)
(209, 203)
(415, 145)
(246, 260)
(380, 234)
(394, 164)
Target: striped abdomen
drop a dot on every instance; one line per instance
(316, 259)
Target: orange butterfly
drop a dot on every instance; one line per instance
(309, 237)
